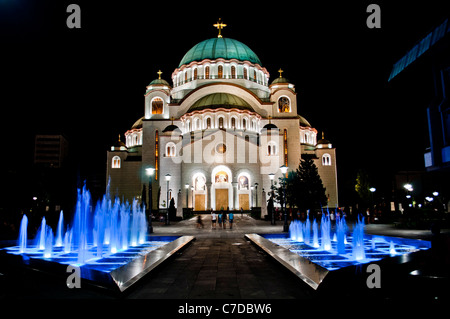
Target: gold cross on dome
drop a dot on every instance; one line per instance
(219, 25)
(280, 71)
(159, 74)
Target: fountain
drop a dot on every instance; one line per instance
(23, 234)
(313, 260)
(59, 230)
(358, 250)
(110, 243)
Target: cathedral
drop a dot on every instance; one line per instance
(217, 136)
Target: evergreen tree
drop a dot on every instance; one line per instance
(311, 192)
(304, 187)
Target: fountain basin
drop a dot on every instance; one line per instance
(314, 265)
(117, 271)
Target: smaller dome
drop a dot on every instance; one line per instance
(119, 143)
(172, 128)
(220, 100)
(159, 82)
(303, 122)
(323, 143)
(138, 124)
(270, 126)
(280, 80)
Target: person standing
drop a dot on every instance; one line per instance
(220, 219)
(224, 219)
(231, 218)
(213, 219)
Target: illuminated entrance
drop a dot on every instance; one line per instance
(221, 189)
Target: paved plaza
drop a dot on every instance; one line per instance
(220, 263)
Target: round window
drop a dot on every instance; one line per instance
(221, 148)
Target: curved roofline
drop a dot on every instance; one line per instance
(220, 83)
(229, 48)
(191, 64)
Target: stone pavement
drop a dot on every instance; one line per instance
(220, 263)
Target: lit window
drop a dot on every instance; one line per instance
(233, 72)
(170, 150)
(220, 122)
(208, 122)
(233, 122)
(157, 105)
(220, 71)
(272, 148)
(207, 72)
(284, 105)
(115, 162)
(326, 160)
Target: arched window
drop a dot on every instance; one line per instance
(115, 162)
(233, 72)
(208, 122)
(245, 74)
(233, 122)
(244, 124)
(272, 148)
(188, 126)
(220, 71)
(197, 124)
(254, 75)
(220, 122)
(326, 160)
(185, 77)
(195, 74)
(170, 149)
(207, 72)
(284, 105)
(157, 105)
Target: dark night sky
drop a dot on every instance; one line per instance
(89, 83)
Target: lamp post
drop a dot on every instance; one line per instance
(150, 171)
(186, 187)
(284, 169)
(271, 177)
(192, 194)
(168, 176)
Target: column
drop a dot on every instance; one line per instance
(235, 195)
(208, 195)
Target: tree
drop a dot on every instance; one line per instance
(311, 192)
(172, 209)
(362, 186)
(304, 187)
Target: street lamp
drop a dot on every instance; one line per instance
(186, 186)
(271, 177)
(256, 195)
(284, 169)
(168, 176)
(150, 171)
(192, 194)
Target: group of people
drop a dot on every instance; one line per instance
(222, 218)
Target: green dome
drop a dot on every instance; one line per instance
(159, 82)
(215, 48)
(218, 100)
